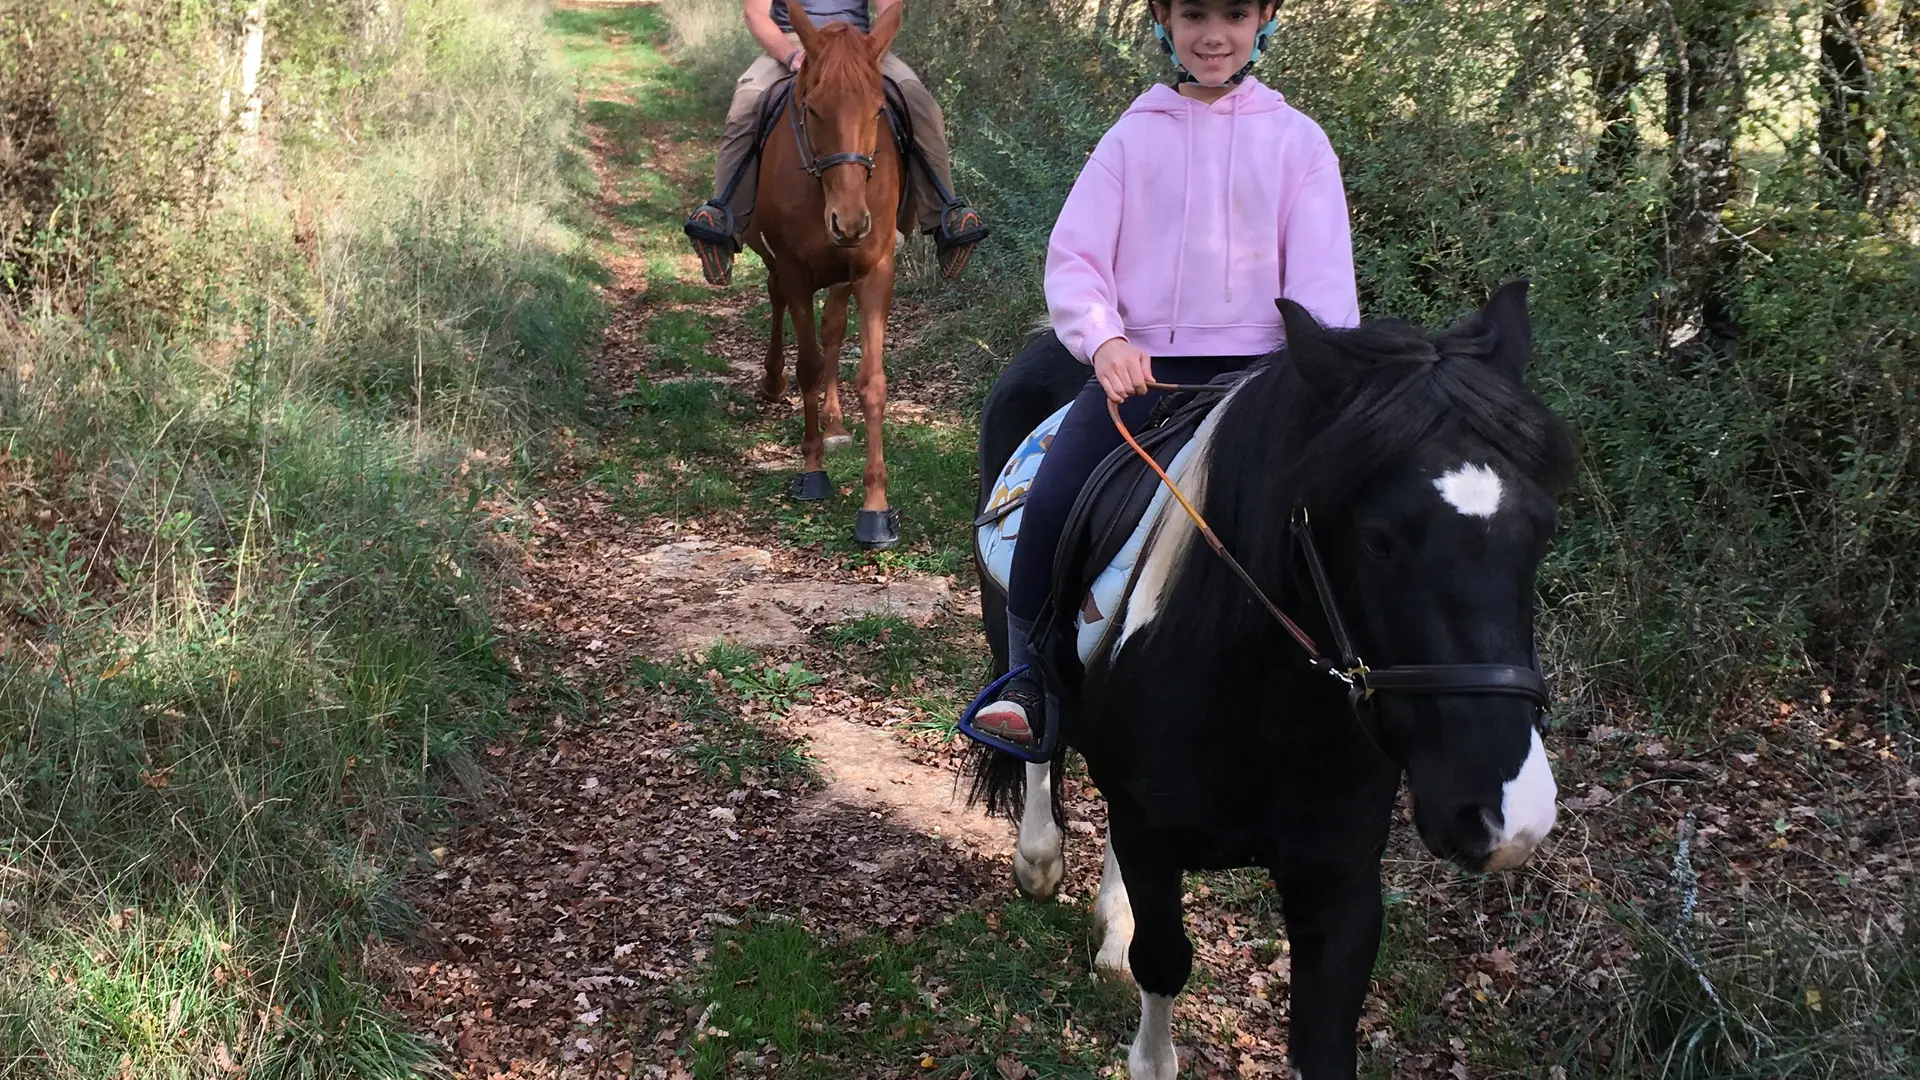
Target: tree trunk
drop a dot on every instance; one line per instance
(1613, 46)
(1844, 130)
(252, 56)
(1705, 102)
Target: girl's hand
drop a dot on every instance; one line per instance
(1123, 368)
(794, 59)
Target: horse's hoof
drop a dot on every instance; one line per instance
(839, 442)
(773, 395)
(1039, 878)
(1111, 961)
(876, 530)
(810, 486)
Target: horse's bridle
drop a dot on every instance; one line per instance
(1362, 682)
(812, 163)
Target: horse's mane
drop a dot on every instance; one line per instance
(841, 62)
(1279, 444)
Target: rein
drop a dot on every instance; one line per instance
(1362, 682)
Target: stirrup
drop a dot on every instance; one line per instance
(1046, 732)
(961, 230)
(711, 230)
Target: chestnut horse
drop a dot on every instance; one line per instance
(831, 181)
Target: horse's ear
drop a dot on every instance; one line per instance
(885, 29)
(1505, 314)
(803, 27)
(1324, 368)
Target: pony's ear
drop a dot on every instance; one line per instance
(1324, 368)
(1505, 314)
(885, 29)
(803, 27)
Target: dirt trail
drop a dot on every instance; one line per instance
(560, 918)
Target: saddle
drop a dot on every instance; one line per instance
(1100, 549)
(1111, 509)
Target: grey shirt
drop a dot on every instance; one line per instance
(824, 11)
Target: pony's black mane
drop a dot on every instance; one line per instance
(1280, 444)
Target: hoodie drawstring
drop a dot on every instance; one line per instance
(1233, 132)
(1186, 205)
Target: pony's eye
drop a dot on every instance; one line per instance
(1377, 544)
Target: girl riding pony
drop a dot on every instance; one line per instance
(1206, 200)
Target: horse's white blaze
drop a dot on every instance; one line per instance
(1039, 862)
(1113, 912)
(1173, 533)
(1528, 806)
(1152, 1056)
(1474, 490)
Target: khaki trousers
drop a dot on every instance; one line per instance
(743, 119)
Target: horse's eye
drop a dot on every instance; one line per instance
(1378, 544)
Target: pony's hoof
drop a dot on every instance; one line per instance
(876, 530)
(773, 393)
(1111, 960)
(810, 486)
(839, 442)
(1039, 879)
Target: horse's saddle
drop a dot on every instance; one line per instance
(1096, 563)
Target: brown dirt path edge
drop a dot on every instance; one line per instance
(560, 918)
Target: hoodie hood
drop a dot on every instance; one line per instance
(1191, 218)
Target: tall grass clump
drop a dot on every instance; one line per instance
(709, 41)
(267, 365)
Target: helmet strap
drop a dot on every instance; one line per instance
(1260, 43)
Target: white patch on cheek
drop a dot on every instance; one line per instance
(1474, 490)
(1528, 804)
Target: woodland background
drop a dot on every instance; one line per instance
(289, 288)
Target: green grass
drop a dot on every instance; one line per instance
(679, 341)
(244, 544)
(1013, 980)
(930, 481)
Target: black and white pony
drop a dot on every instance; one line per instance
(1428, 472)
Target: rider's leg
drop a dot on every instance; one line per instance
(717, 226)
(957, 228)
(1085, 437)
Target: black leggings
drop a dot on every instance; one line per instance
(1085, 438)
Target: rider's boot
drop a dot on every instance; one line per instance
(961, 230)
(1021, 707)
(711, 230)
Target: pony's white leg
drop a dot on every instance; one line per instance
(1152, 1056)
(1114, 915)
(1039, 858)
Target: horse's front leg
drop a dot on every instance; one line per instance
(1039, 856)
(1333, 916)
(833, 338)
(1113, 914)
(1160, 954)
(878, 527)
(773, 384)
(812, 483)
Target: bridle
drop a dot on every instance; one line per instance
(815, 165)
(1363, 683)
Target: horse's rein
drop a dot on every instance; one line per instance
(1314, 656)
(1361, 681)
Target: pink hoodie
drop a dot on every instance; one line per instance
(1189, 219)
